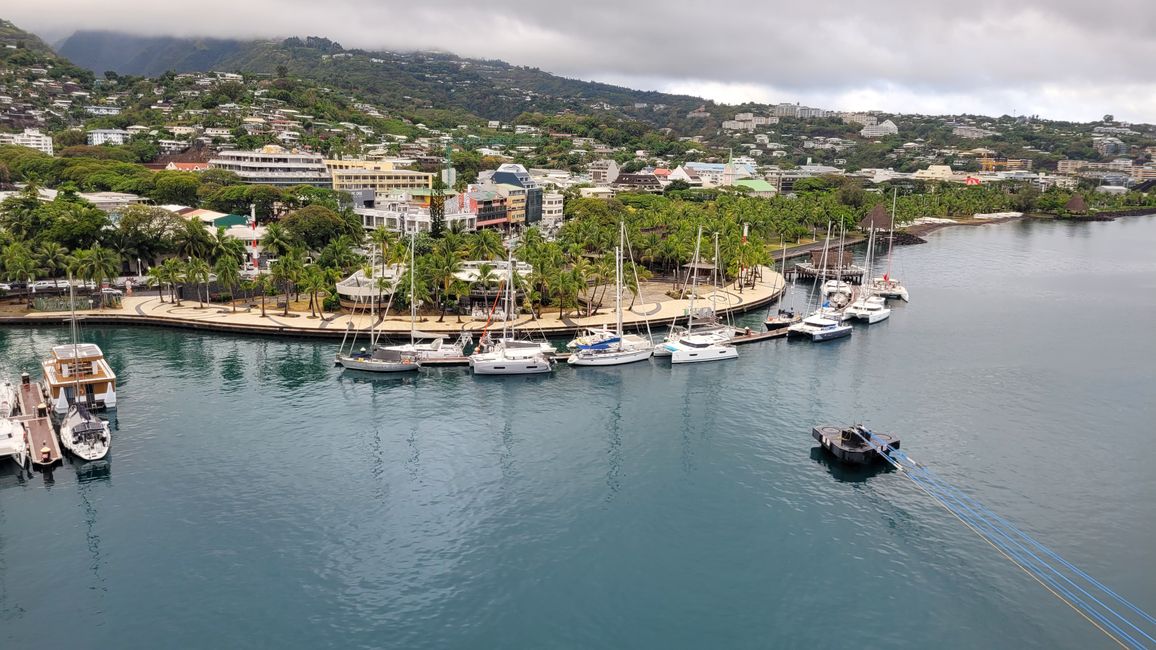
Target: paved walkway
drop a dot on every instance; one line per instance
(150, 310)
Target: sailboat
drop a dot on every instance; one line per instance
(824, 323)
(869, 306)
(784, 317)
(619, 348)
(378, 359)
(706, 344)
(887, 286)
(81, 432)
(703, 325)
(13, 441)
(508, 356)
(7, 399)
(436, 348)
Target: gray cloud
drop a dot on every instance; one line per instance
(1063, 58)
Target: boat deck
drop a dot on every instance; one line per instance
(756, 336)
(849, 446)
(41, 431)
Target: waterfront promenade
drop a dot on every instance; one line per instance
(652, 307)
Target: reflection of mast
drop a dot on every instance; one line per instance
(88, 474)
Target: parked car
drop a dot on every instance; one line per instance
(5, 287)
(45, 285)
(109, 291)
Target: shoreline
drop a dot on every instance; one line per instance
(148, 311)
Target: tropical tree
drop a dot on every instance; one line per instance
(261, 285)
(315, 281)
(277, 241)
(193, 239)
(52, 257)
(173, 273)
(197, 271)
(222, 245)
(486, 245)
(20, 264)
(228, 275)
(156, 277)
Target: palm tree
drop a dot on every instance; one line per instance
(486, 245)
(156, 278)
(19, 263)
(445, 266)
(52, 258)
(261, 284)
(315, 281)
(287, 272)
(96, 264)
(228, 275)
(193, 239)
(223, 245)
(173, 273)
(277, 241)
(197, 271)
(457, 289)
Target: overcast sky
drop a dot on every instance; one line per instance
(1061, 59)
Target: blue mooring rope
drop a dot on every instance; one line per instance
(1025, 551)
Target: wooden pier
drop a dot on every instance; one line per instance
(38, 424)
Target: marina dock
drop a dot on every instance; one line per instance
(37, 423)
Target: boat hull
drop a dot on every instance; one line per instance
(614, 358)
(700, 355)
(831, 334)
(372, 365)
(534, 365)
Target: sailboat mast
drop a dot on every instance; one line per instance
(618, 279)
(75, 343)
(891, 235)
(412, 293)
(694, 287)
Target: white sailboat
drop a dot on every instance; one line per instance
(691, 344)
(82, 433)
(869, 306)
(13, 441)
(887, 286)
(379, 359)
(7, 399)
(825, 323)
(434, 345)
(618, 348)
(706, 326)
(507, 356)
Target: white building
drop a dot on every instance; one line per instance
(972, 132)
(886, 127)
(102, 110)
(108, 136)
(31, 138)
(552, 204)
(399, 214)
(274, 165)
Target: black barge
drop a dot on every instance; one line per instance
(854, 444)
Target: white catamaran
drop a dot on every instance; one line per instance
(887, 286)
(825, 323)
(869, 306)
(508, 356)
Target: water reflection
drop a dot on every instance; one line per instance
(847, 472)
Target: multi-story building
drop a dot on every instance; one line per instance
(102, 110)
(515, 202)
(381, 180)
(1073, 167)
(648, 183)
(1109, 146)
(552, 207)
(603, 172)
(108, 136)
(402, 215)
(859, 118)
(274, 165)
(884, 128)
(999, 163)
(31, 138)
(516, 175)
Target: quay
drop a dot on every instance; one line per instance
(38, 426)
(149, 311)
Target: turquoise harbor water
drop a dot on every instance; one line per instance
(259, 497)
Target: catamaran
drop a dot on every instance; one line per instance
(887, 286)
(506, 355)
(869, 306)
(618, 348)
(825, 323)
(702, 323)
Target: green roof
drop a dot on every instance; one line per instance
(756, 184)
(230, 220)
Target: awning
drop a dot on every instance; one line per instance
(493, 222)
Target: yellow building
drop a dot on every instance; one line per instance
(381, 180)
(515, 201)
(377, 165)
